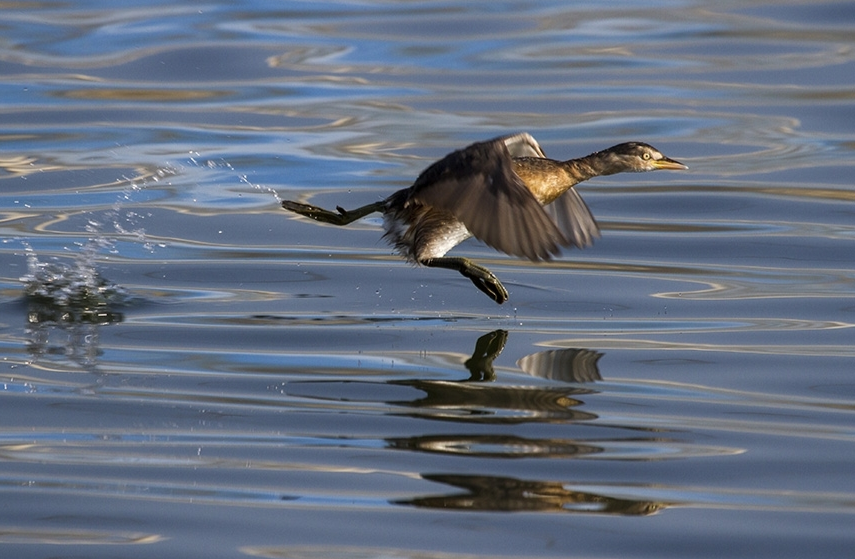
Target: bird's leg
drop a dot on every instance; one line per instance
(480, 276)
(343, 217)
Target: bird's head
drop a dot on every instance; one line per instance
(635, 157)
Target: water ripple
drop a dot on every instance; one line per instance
(263, 385)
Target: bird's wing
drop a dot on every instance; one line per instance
(569, 212)
(573, 218)
(522, 145)
(479, 187)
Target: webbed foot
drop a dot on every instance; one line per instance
(483, 278)
(488, 283)
(319, 214)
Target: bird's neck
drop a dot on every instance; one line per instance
(594, 165)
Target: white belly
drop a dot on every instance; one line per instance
(424, 239)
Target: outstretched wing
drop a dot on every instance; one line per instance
(573, 218)
(479, 187)
(522, 145)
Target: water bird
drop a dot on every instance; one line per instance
(504, 192)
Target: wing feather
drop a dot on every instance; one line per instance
(574, 219)
(522, 145)
(478, 185)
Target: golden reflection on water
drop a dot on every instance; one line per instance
(23, 165)
(492, 493)
(147, 95)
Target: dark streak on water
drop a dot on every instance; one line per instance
(189, 371)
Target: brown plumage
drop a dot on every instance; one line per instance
(506, 193)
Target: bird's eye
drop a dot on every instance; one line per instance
(646, 156)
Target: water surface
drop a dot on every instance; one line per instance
(188, 370)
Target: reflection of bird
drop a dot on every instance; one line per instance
(565, 365)
(495, 493)
(504, 192)
(487, 348)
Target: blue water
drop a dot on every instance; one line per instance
(187, 370)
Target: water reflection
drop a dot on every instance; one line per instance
(72, 332)
(473, 400)
(487, 348)
(483, 403)
(565, 365)
(206, 436)
(478, 398)
(496, 446)
(66, 306)
(494, 493)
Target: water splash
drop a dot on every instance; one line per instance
(242, 178)
(68, 299)
(261, 188)
(68, 303)
(75, 291)
(71, 292)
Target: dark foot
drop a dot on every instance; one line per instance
(343, 217)
(479, 275)
(316, 213)
(489, 284)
